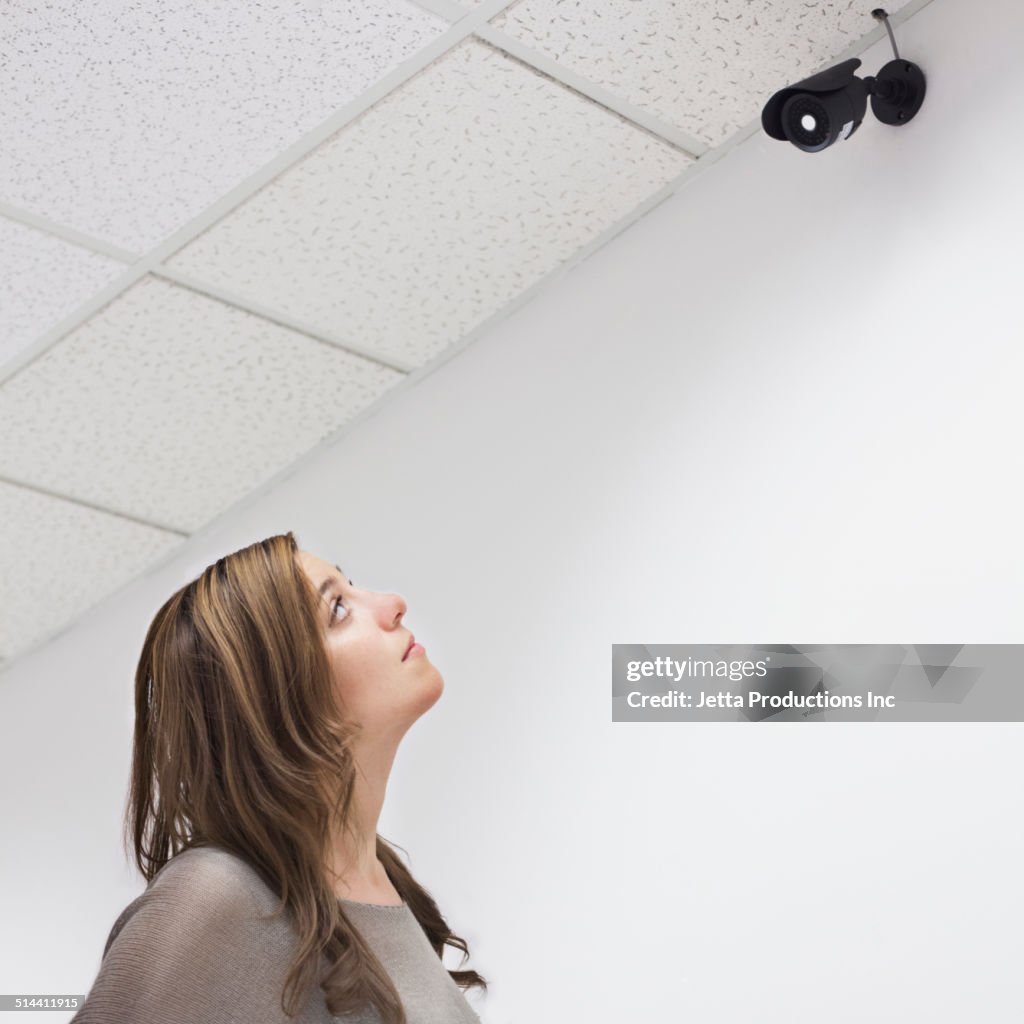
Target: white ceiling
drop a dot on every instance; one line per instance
(226, 230)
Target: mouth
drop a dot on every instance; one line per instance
(412, 641)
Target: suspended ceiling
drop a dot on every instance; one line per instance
(226, 230)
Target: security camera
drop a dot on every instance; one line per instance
(829, 106)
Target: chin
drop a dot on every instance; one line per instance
(432, 687)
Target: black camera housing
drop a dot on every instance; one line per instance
(834, 101)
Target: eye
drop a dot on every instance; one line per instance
(334, 609)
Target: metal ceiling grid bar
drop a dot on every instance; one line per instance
(481, 14)
(662, 130)
(65, 233)
(46, 492)
(690, 145)
(452, 10)
(311, 331)
(281, 163)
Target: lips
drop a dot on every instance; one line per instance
(412, 640)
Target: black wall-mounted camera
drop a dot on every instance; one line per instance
(829, 106)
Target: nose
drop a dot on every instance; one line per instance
(396, 607)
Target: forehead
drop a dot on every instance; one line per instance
(316, 568)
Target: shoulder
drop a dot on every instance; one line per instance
(199, 890)
(193, 946)
(210, 871)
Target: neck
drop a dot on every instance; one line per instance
(354, 862)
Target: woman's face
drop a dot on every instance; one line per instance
(366, 641)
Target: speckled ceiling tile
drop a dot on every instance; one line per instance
(57, 559)
(127, 120)
(42, 280)
(706, 66)
(435, 207)
(170, 406)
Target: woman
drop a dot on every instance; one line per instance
(270, 698)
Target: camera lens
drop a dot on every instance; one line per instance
(806, 122)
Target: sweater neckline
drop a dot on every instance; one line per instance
(376, 906)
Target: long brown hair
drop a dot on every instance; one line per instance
(240, 742)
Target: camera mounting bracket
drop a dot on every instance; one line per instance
(896, 92)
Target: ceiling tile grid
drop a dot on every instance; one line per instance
(169, 406)
(705, 66)
(127, 120)
(435, 207)
(58, 558)
(425, 215)
(42, 280)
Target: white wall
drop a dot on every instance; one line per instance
(784, 406)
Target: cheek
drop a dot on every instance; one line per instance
(358, 671)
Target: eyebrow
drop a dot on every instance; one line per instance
(330, 581)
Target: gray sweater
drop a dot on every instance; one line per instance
(189, 950)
